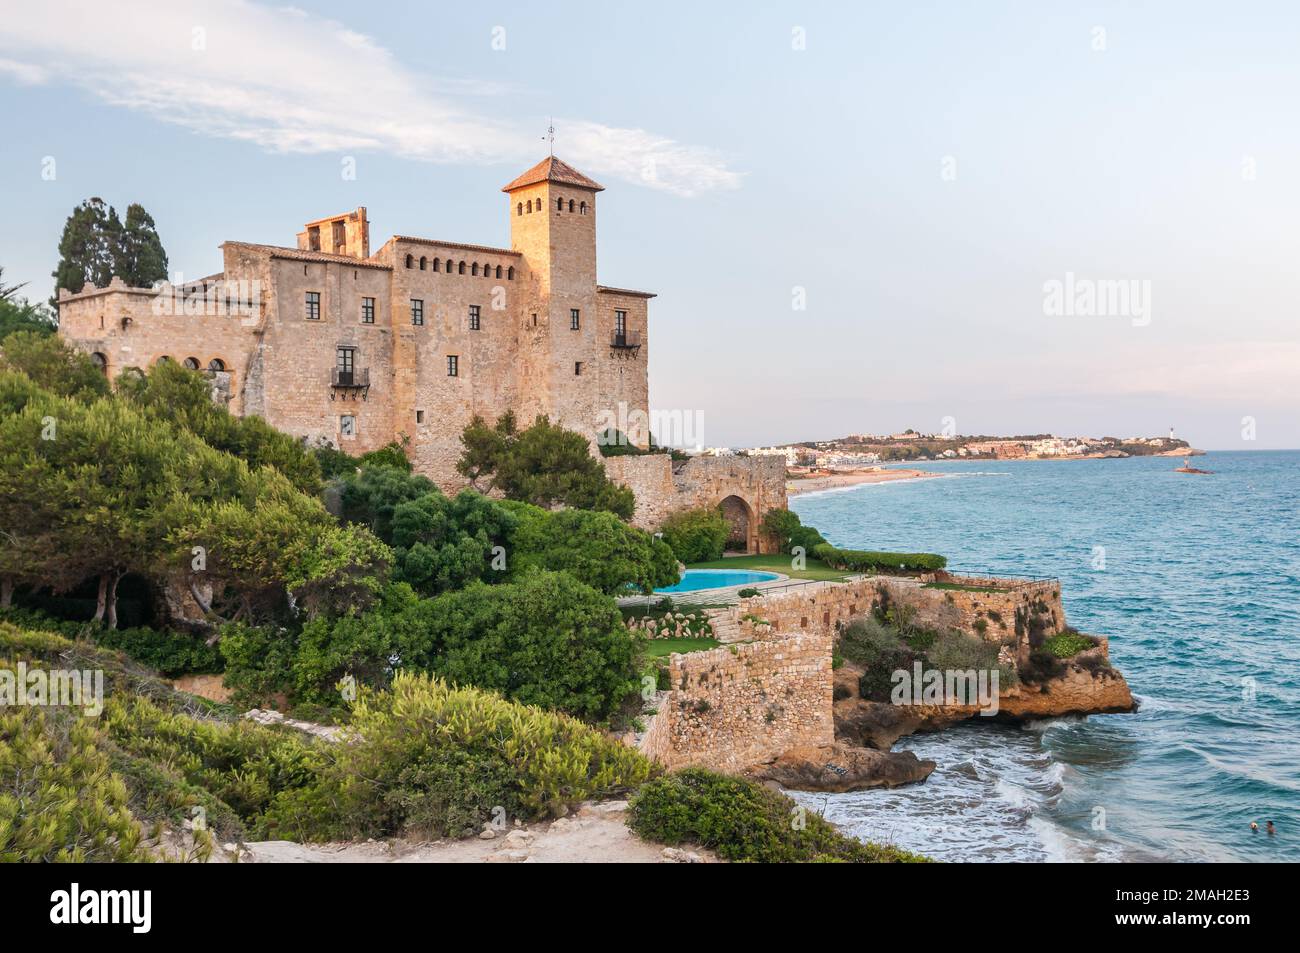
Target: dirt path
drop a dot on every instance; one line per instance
(597, 833)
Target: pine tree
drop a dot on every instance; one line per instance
(96, 246)
(141, 258)
(88, 248)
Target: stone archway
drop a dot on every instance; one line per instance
(742, 533)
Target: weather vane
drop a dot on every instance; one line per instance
(550, 134)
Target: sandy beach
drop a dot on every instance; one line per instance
(846, 478)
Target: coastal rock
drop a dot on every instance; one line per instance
(879, 725)
(840, 767)
(1078, 691)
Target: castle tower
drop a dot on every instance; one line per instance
(552, 209)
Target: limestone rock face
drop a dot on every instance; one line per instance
(840, 767)
(879, 725)
(1077, 692)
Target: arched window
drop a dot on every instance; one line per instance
(520, 209)
(410, 260)
(510, 273)
(498, 272)
(423, 263)
(487, 270)
(460, 268)
(165, 359)
(437, 263)
(192, 363)
(216, 364)
(570, 205)
(583, 208)
(473, 269)
(559, 205)
(449, 266)
(101, 362)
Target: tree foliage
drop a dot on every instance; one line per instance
(96, 485)
(96, 246)
(596, 548)
(697, 535)
(544, 464)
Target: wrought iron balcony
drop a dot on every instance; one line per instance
(626, 341)
(350, 383)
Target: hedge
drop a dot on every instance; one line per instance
(744, 821)
(860, 560)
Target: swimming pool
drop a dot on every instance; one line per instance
(694, 579)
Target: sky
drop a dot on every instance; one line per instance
(857, 217)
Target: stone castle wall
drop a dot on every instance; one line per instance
(990, 612)
(525, 355)
(663, 486)
(737, 706)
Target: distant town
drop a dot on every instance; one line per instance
(910, 446)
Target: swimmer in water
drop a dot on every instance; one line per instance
(1254, 827)
(1271, 829)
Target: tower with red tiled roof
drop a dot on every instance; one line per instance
(575, 362)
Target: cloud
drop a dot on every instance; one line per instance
(291, 82)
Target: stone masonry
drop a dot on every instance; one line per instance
(769, 688)
(739, 705)
(749, 486)
(339, 346)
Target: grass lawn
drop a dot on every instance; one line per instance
(775, 562)
(959, 586)
(658, 648)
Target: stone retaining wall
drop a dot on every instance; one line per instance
(740, 705)
(990, 611)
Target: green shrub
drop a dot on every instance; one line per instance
(879, 649)
(59, 799)
(696, 536)
(806, 537)
(545, 640)
(170, 652)
(857, 560)
(391, 454)
(240, 763)
(1069, 643)
(744, 821)
(748, 592)
(438, 759)
(596, 548)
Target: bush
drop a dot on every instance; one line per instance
(780, 525)
(880, 650)
(546, 640)
(858, 560)
(696, 536)
(748, 592)
(806, 537)
(744, 821)
(59, 799)
(171, 653)
(435, 759)
(1069, 643)
(596, 548)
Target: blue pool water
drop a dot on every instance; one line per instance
(694, 579)
(1196, 579)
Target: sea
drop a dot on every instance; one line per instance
(1195, 579)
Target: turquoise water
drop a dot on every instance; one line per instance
(1196, 579)
(694, 579)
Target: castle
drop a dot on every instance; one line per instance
(336, 345)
